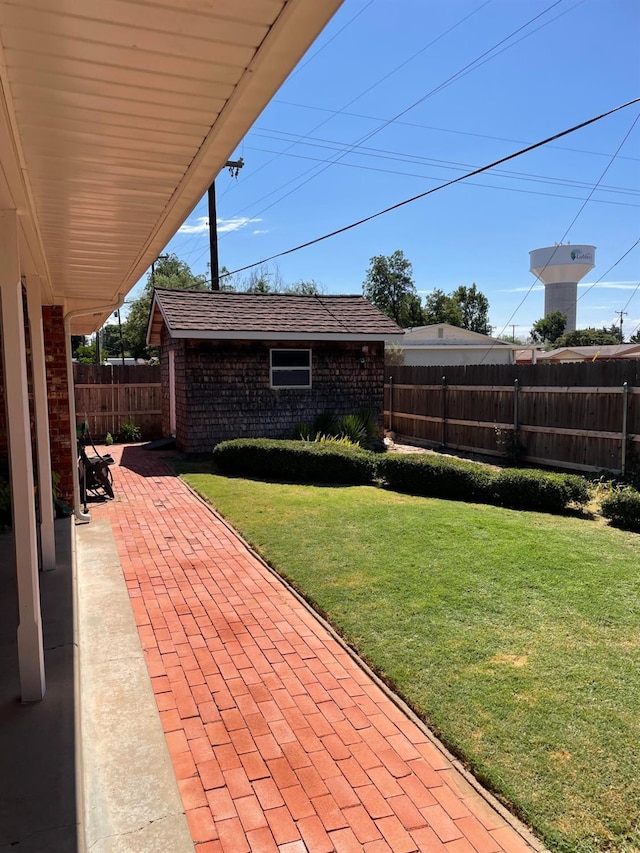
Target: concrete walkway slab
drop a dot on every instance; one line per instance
(38, 749)
(280, 740)
(130, 800)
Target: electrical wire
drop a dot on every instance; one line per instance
(370, 87)
(444, 130)
(470, 66)
(527, 177)
(572, 223)
(453, 181)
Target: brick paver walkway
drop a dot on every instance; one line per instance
(279, 740)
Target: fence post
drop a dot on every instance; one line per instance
(443, 441)
(516, 407)
(391, 404)
(625, 406)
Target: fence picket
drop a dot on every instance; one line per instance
(565, 416)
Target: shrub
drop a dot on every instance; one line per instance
(539, 490)
(435, 476)
(360, 429)
(622, 508)
(130, 432)
(295, 461)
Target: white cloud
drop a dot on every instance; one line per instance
(261, 231)
(611, 285)
(601, 285)
(198, 227)
(234, 224)
(201, 225)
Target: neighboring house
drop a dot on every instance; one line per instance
(565, 355)
(443, 344)
(254, 365)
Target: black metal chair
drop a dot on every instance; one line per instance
(94, 475)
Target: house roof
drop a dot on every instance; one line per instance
(218, 315)
(427, 337)
(592, 353)
(115, 118)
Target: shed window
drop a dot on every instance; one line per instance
(291, 368)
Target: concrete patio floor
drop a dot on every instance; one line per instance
(195, 702)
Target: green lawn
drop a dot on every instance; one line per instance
(516, 636)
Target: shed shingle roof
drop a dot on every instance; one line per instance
(220, 315)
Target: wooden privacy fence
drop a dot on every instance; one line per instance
(583, 417)
(108, 396)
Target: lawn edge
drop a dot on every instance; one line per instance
(512, 820)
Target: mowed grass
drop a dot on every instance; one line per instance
(516, 636)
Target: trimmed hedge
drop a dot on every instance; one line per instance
(455, 479)
(415, 473)
(543, 491)
(295, 461)
(622, 508)
(436, 477)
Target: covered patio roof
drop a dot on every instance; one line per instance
(115, 116)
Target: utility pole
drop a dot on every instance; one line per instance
(120, 331)
(513, 333)
(621, 313)
(234, 167)
(153, 268)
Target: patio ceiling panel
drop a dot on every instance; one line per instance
(120, 113)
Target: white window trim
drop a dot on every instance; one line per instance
(308, 369)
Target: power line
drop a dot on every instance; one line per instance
(500, 173)
(451, 79)
(305, 62)
(370, 87)
(453, 181)
(444, 130)
(606, 272)
(575, 218)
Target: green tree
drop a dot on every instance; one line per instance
(77, 341)
(441, 308)
(615, 331)
(86, 354)
(110, 340)
(170, 273)
(474, 307)
(635, 338)
(587, 338)
(548, 329)
(389, 286)
(304, 288)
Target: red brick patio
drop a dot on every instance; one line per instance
(280, 741)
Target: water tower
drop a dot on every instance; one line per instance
(560, 268)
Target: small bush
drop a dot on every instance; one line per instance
(539, 490)
(295, 461)
(360, 429)
(622, 508)
(435, 476)
(130, 432)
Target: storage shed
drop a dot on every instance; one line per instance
(245, 365)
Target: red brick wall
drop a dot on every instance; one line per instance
(62, 459)
(222, 389)
(63, 456)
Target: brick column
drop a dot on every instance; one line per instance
(63, 456)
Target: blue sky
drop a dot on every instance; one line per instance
(333, 148)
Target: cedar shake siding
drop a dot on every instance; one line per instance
(221, 348)
(223, 388)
